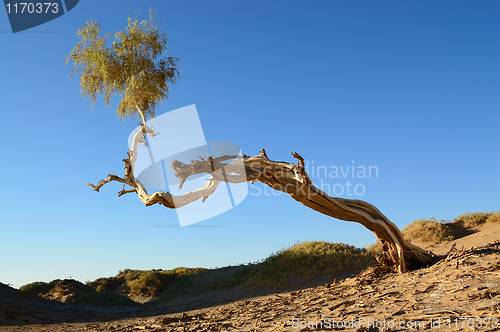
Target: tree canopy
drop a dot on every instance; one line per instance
(131, 66)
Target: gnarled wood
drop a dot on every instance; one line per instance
(286, 177)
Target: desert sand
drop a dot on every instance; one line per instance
(461, 292)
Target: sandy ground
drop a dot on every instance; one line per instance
(459, 293)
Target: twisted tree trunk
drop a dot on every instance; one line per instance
(292, 179)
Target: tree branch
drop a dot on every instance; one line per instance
(286, 177)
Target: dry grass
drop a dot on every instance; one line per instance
(376, 248)
(495, 217)
(432, 231)
(304, 260)
(308, 259)
(474, 219)
(143, 283)
(36, 288)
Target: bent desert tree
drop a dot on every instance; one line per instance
(128, 67)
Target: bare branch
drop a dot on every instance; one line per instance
(123, 192)
(111, 177)
(286, 177)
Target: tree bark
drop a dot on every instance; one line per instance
(292, 179)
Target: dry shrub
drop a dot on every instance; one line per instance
(473, 219)
(309, 259)
(495, 217)
(431, 231)
(375, 248)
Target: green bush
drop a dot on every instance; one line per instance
(153, 282)
(148, 284)
(129, 274)
(36, 288)
(106, 284)
(140, 282)
(239, 277)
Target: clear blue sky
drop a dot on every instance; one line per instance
(411, 87)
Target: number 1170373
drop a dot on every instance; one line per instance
(32, 8)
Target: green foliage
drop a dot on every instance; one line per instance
(309, 259)
(148, 284)
(106, 284)
(431, 230)
(239, 277)
(143, 283)
(36, 288)
(129, 274)
(131, 66)
(184, 271)
(473, 219)
(153, 282)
